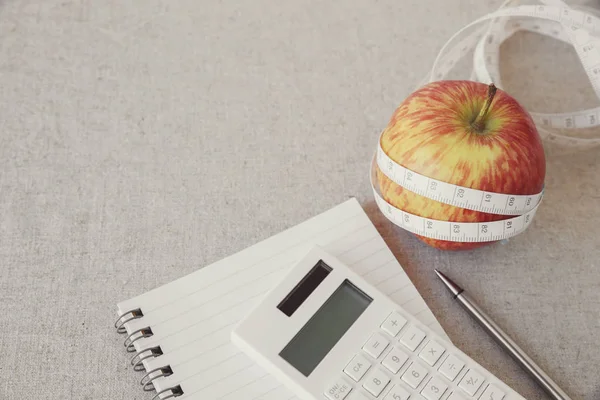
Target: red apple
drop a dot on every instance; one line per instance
(468, 134)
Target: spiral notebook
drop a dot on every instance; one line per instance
(179, 333)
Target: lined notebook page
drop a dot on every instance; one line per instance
(192, 318)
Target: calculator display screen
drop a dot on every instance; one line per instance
(325, 328)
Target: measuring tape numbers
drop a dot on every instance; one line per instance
(459, 196)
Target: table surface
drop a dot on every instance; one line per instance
(142, 140)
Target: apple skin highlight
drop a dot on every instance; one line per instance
(434, 132)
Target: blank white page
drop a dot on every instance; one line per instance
(192, 318)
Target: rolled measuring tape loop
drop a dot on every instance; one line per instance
(444, 192)
(553, 18)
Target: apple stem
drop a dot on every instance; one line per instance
(479, 122)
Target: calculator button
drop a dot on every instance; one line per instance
(375, 345)
(412, 338)
(359, 396)
(434, 389)
(471, 382)
(393, 324)
(395, 360)
(455, 396)
(338, 390)
(376, 381)
(492, 393)
(357, 367)
(432, 352)
(398, 393)
(451, 367)
(414, 375)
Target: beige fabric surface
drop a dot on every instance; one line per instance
(141, 140)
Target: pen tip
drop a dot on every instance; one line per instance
(452, 287)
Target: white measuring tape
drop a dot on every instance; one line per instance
(496, 203)
(552, 18)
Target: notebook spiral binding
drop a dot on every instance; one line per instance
(137, 361)
(131, 314)
(146, 381)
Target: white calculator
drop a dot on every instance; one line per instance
(327, 334)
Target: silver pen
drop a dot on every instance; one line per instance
(502, 338)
